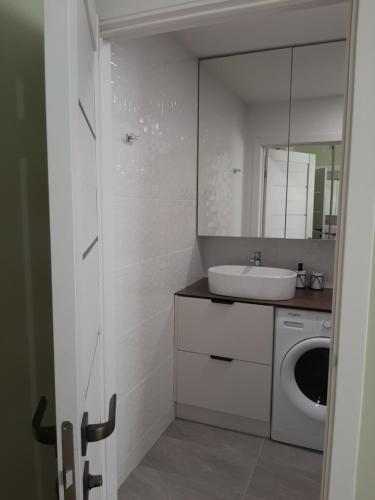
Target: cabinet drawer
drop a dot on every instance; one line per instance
(236, 387)
(238, 330)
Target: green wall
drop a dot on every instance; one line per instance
(26, 364)
(366, 460)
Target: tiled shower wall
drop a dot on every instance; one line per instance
(154, 84)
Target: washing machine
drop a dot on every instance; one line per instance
(300, 377)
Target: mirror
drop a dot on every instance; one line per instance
(270, 126)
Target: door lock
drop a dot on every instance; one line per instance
(90, 481)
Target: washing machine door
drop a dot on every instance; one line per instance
(304, 376)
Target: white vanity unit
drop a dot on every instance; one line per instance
(224, 363)
(224, 358)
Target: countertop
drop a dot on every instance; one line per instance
(314, 300)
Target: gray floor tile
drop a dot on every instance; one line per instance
(221, 476)
(234, 446)
(199, 462)
(278, 482)
(146, 483)
(292, 456)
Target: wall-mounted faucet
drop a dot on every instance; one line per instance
(257, 259)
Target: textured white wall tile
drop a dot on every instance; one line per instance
(142, 350)
(154, 83)
(147, 228)
(128, 462)
(143, 406)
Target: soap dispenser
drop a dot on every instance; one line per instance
(301, 277)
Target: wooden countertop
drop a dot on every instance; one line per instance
(314, 300)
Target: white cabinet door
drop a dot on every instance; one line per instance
(234, 387)
(241, 331)
(71, 86)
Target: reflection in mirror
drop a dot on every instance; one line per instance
(244, 103)
(310, 174)
(270, 127)
(316, 123)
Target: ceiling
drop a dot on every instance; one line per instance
(269, 29)
(260, 77)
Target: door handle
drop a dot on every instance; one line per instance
(90, 433)
(42, 434)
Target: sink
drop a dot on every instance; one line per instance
(251, 282)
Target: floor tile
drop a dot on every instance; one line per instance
(234, 446)
(221, 476)
(193, 461)
(279, 482)
(146, 483)
(292, 456)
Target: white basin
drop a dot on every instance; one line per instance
(263, 283)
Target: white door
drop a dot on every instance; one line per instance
(71, 39)
(276, 176)
(289, 194)
(300, 195)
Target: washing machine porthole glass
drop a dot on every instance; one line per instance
(311, 374)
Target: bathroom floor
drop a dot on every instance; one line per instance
(199, 462)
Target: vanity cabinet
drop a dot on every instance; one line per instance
(224, 363)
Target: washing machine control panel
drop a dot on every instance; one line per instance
(301, 322)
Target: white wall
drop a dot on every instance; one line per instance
(222, 148)
(155, 96)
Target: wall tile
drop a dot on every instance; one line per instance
(144, 405)
(142, 349)
(154, 84)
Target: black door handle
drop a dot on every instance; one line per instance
(42, 434)
(90, 433)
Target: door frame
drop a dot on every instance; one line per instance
(353, 256)
(189, 14)
(107, 252)
(353, 263)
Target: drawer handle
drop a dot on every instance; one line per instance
(222, 301)
(221, 358)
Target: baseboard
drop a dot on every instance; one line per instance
(223, 420)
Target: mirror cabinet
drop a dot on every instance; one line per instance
(270, 132)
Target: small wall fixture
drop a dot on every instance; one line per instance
(130, 138)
